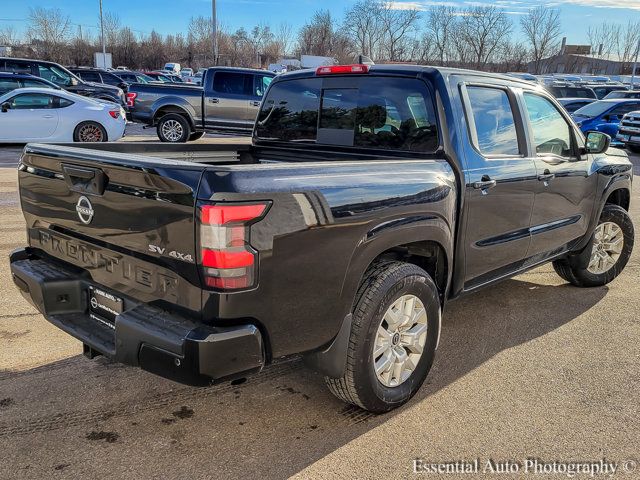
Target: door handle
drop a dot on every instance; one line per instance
(484, 184)
(546, 176)
(47, 116)
(214, 100)
(255, 103)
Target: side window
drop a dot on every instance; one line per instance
(90, 77)
(623, 109)
(260, 85)
(8, 84)
(28, 101)
(59, 102)
(494, 121)
(17, 66)
(232, 83)
(551, 132)
(35, 83)
(55, 74)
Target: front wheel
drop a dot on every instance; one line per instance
(612, 247)
(394, 333)
(89, 132)
(173, 128)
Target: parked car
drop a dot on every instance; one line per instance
(604, 115)
(186, 72)
(11, 81)
(62, 77)
(602, 91)
(228, 103)
(360, 210)
(99, 75)
(629, 131)
(571, 91)
(573, 104)
(172, 67)
(135, 77)
(524, 76)
(623, 94)
(47, 115)
(164, 77)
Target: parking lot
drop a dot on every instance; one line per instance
(532, 368)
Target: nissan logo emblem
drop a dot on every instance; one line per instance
(84, 210)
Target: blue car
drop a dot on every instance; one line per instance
(605, 115)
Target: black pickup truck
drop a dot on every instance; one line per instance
(228, 102)
(369, 198)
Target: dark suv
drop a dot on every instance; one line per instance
(11, 81)
(99, 75)
(62, 77)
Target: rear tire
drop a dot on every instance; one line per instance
(89, 132)
(173, 128)
(196, 136)
(386, 292)
(612, 247)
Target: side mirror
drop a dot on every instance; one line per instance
(6, 106)
(597, 142)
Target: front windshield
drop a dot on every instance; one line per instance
(594, 109)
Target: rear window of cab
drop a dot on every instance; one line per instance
(367, 112)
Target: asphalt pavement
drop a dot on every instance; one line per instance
(531, 368)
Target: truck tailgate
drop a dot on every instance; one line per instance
(127, 220)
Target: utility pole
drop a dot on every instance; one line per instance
(214, 21)
(104, 48)
(635, 63)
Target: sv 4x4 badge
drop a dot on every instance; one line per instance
(185, 257)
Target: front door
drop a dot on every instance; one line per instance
(30, 117)
(500, 185)
(566, 189)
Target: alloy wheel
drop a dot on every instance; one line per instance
(400, 340)
(607, 247)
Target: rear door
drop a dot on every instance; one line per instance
(500, 184)
(227, 96)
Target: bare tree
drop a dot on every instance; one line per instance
(8, 36)
(284, 38)
(483, 30)
(111, 22)
(316, 37)
(398, 25)
(603, 39)
(441, 25)
(363, 24)
(48, 29)
(628, 43)
(541, 27)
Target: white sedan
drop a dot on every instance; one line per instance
(45, 115)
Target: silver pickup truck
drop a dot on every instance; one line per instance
(227, 102)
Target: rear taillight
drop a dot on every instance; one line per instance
(114, 113)
(131, 99)
(227, 258)
(342, 69)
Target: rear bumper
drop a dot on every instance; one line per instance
(160, 342)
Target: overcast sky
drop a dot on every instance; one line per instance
(172, 16)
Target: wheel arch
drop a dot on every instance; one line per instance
(170, 106)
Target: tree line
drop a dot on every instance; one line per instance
(480, 37)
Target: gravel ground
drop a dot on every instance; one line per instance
(531, 368)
